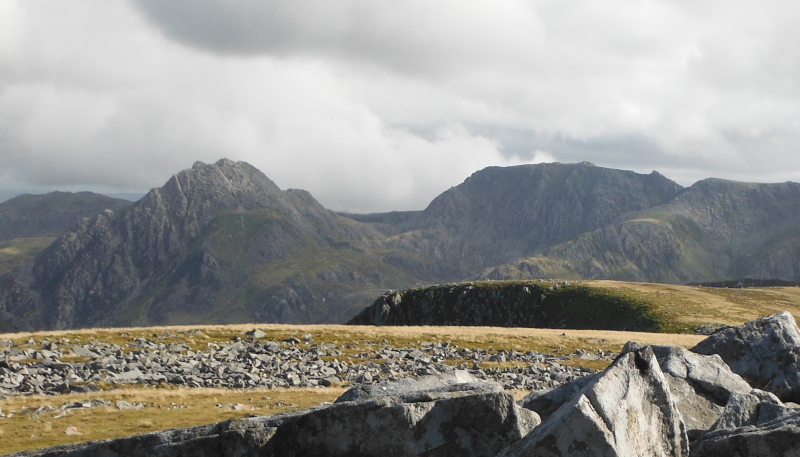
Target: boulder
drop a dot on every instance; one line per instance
(546, 401)
(416, 424)
(700, 384)
(627, 410)
(774, 435)
(458, 380)
(764, 352)
(757, 407)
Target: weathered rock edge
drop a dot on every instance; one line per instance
(628, 410)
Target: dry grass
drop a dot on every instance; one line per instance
(692, 305)
(165, 409)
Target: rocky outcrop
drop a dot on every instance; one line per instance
(545, 304)
(752, 425)
(547, 401)
(628, 410)
(701, 386)
(764, 352)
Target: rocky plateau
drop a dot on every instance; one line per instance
(652, 401)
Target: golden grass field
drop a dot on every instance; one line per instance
(693, 305)
(171, 407)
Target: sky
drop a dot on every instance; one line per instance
(380, 106)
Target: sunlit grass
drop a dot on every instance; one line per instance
(165, 409)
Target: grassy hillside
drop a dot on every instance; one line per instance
(19, 251)
(690, 306)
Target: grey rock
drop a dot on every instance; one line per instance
(82, 351)
(628, 410)
(449, 382)
(764, 352)
(546, 401)
(256, 334)
(701, 385)
(754, 408)
(124, 405)
(779, 437)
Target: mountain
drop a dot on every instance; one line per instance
(502, 214)
(221, 243)
(216, 243)
(48, 215)
(713, 230)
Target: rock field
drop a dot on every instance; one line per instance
(653, 400)
(256, 361)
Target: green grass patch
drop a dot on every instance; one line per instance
(19, 251)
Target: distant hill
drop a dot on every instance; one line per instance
(221, 243)
(29, 223)
(48, 215)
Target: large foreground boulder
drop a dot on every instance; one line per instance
(764, 352)
(416, 424)
(627, 410)
(700, 384)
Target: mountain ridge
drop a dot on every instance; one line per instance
(222, 243)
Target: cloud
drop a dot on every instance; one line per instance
(380, 106)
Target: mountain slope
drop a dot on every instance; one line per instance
(501, 214)
(714, 230)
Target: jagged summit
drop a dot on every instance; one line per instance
(175, 254)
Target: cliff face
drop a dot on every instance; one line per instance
(509, 304)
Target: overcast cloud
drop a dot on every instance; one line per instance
(375, 106)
